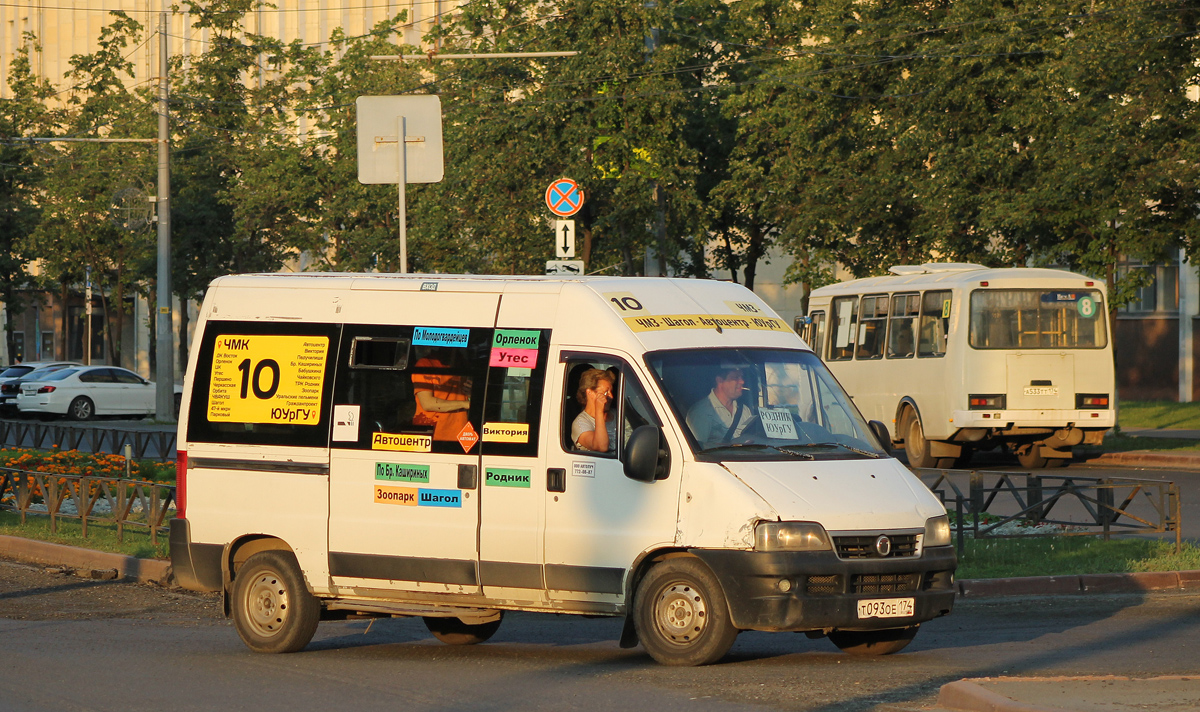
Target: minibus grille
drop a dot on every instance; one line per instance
(823, 585)
(864, 547)
(885, 583)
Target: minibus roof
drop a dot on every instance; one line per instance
(960, 275)
(632, 313)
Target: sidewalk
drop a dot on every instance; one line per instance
(1099, 693)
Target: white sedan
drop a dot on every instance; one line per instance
(83, 392)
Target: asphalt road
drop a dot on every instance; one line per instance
(73, 644)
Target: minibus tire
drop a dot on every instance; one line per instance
(272, 608)
(453, 631)
(916, 447)
(681, 615)
(873, 642)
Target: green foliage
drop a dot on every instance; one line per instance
(101, 536)
(1160, 414)
(708, 133)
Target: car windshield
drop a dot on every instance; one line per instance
(761, 404)
(56, 376)
(15, 371)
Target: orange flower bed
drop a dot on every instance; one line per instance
(73, 462)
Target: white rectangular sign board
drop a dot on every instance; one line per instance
(564, 238)
(571, 268)
(378, 146)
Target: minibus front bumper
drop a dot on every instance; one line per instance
(803, 591)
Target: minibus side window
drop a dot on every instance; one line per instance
(263, 383)
(872, 327)
(844, 319)
(512, 414)
(628, 406)
(935, 324)
(413, 388)
(902, 327)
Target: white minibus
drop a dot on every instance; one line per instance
(961, 357)
(453, 448)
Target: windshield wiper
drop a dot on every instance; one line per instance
(851, 448)
(760, 446)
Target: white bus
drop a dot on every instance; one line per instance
(960, 357)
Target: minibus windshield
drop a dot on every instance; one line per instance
(761, 404)
(1037, 319)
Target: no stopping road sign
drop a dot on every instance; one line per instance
(564, 197)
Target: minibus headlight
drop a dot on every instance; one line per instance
(937, 531)
(790, 536)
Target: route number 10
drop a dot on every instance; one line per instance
(253, 379)
(625, 302)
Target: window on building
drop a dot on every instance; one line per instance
(1160, 293)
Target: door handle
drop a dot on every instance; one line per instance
(468, 477)
(556, 479)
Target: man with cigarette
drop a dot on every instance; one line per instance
(721, 418)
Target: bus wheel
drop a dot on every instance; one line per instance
(272, 608)
(873, 642)
(915, 444)
(681, 615)
(452, 631)
(1030, 456)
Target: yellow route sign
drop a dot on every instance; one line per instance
(268, 379)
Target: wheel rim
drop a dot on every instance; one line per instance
(266, 604)
(681, 613)
(82, 409)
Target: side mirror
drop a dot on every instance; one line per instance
(646, 457)
(880, 431)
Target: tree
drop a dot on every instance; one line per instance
(76, 232)
(22, 115)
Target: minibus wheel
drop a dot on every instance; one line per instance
(272, 608)
(453, 631)
(873, 642)
(681, 615)
(1030, 456)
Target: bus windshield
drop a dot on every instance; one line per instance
(761, 404)
(1037, 319)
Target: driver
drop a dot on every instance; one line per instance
(721, 417)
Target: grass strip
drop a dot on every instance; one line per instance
(1071, 555)
(101, 536)
(1159, 414)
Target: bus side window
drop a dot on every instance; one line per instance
(902, 327)
(872, 327)
(841, 343)
(935, 323)
(815, 335)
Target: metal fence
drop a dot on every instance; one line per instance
(1102, 506)
(145, 444)
(123, 502)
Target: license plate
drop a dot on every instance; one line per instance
(886, 608)
(1041, 390)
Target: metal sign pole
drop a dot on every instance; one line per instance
(87, 356)
(164, 386)
(403, 153)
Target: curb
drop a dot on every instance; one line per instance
(1141, 458)
(971, 697)
(41, 552)
(1080, 584)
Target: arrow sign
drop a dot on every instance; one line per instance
(564, 238)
